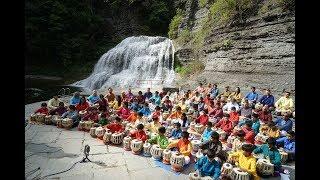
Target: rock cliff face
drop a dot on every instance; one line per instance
(259, 51)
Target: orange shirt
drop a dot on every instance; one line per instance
(184, 147)
(132, 118)
(175, 115)
(234, 116)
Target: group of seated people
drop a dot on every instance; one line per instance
(240, 116)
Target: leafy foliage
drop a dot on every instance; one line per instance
(193, 67)
(174, 25)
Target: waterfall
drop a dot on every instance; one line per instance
(135, 62)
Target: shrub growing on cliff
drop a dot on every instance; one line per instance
(185, 36)
(174, 25)
(202, 3)
(193, 67)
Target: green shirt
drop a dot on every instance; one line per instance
(274, 155)
(161, 140)
(103, 121)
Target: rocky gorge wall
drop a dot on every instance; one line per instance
(259, 51)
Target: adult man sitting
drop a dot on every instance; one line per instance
(267, 99)
(284, 124)
(232, 103)
(53, 103)
(252, 96)
(284, 104)
(289, 144)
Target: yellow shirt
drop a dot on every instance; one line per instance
(226, 94)
(274, 134)
(237, 97)
(183, 107)
(52, 104)
(114, 105)
(284, 104)
(153, 127)
(246, 163)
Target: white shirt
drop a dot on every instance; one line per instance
(229, 105)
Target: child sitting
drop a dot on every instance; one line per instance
(273, 131)
(203, 118)
(133, 117)
(145, 110)
(289, 144)
(270, 152)
(225, 124)
(103, 120)
(208, 166)
(183, 145)
(239, 141)
(59, 110)
(184, 122)
(160, 139)
(255, 123)
(245, 160)
(72, 114)
(92, 114)
(234, 116)
(154, 125)
(116, 126)
(206, 136)
(249, 133)
(167, 104)
(212, 145)
(124, 112)
(139, 133)
(177, 114)
(176, 132)
(43, 109)
(83, 104)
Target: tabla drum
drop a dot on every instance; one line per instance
(54, 119)
(195, 146)
(136, 146)
(59, 122)
(88, 125)
(33, 117)
(238, 174)
(260, 138)
(106, 137)
(100, 132)
(199, 155)
(67, 123)
(116, 138)
(284, 156)
(146, 149)
(93, 132)
(192, 125)
(226, 169)
(40, 118)
(194, 176)
(156, 152)
(258, 156)
(264, 167)
(48, 119)
(231, 139)
(177, 161)
(166, 156)
(198, 128)
(82, 113)
(81, 125)
(127, 143)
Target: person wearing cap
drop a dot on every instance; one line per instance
(208, 166)
(245, 160)
(284, 104)
(252, 96)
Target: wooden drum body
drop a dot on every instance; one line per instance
(177, 161)
(284, 156)
(81, 125)
(199, 155)
(195, 146)
(88, 125)
(136, 146)
(264, 167)
(67, 123)
(238, 174)
(156, 152)
(116, 138)
(48, 119)
(40, 118)
(93, 132)
(192, 125)
(226, 169)
(100, 132)
(194, 176)
(146, 149)
(107, 137)
(127, 143)
(33, 117)
(59, 122)
(166, 156)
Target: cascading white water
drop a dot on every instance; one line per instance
(132, 63)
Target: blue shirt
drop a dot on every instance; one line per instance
(252, 96)
(256, 126)
(273, 154)
(284, 125)
(157, 99)
(134, 106)
(206, 134)
(93, 99)
(72, 115)
(214, 92)
(176, 133)
(145, 111)
(74, 101)
(147, 95)
(267, 100)
(200, 106)
(288, 145)
(207, 168)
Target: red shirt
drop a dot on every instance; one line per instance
(114, 127)
(265, 116)
(207, 101)
(216, 113)
(249, 137)
(156, 114)
(202, 119)
(139, 135)
(43, 110)
(91, 116)
(81, 107)
(124, 113)
(225, 125)
(234, 116)
(140, 99)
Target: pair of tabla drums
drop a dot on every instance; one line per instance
(85, 125)
(134, 145)
(64, 123)
(97, 132)
(37, 117)
(114, 138)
